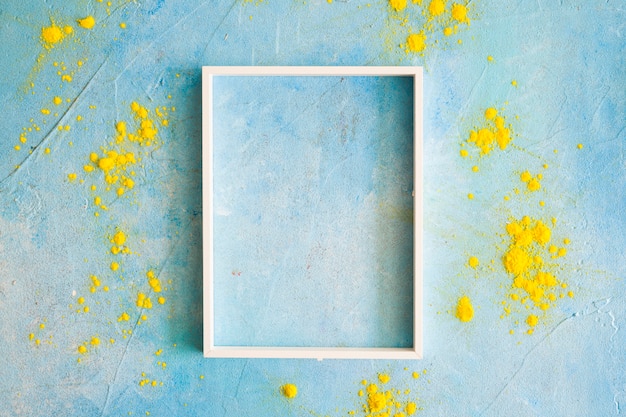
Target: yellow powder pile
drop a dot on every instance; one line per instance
(54, 34)
(532, 183)
(416, 42)
(383, 401)
(464, 309)
(289, 390)
(427, 21)
(397, 5)
(493, 131)
(533, 284)
(87, 23)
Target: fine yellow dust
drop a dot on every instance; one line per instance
(289, 390)
(464, 309)
(87, 23)
(533, 285)
(386, 399)
(492, 132)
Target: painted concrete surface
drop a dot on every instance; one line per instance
(101, 255)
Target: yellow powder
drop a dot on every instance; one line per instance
(95, 341)
(464, 309)
(54, 34)
(154, 282)
(459, 13)
(87, 23)
(436, 7)
(57, 101)
(534, 185)
(119, 238)
(115, 266)
(384, 378)
(82, 349)
(447, 31)
(411, 408)
(397, 5)
(491, 113)
(289, 390)
(161, 300)
(416, 42)
(532, 320)
(473, 262)
(124, 317)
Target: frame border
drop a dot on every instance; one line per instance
(210, 350)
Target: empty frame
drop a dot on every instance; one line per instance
(312, 208)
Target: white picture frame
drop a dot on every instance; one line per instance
(210, 349)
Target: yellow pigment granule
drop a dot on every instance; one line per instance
(289, 390)
(493, 131)
(87, 23)
(416, 42)
(54, 34)
(533, 285)
(397, 5)
(464, 309)
(459, 13)
(378, 402)
(437, 7)
(473, 262)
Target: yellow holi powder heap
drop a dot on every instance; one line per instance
(289, 390)
(397, 5)
(416, 42)
(533, 285)
(54, 34)
(379, 402)
(437, 7)
(459, 13)
(532, 183)
(87, 23)
(492, 132)
(464, 309)
(154, 282)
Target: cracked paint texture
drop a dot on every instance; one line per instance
(556, 69)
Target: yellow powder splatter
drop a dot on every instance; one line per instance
(397, 5)
(464, 309)
(384, 378)
(459, 13)
(416, 42)
(154, 282)
(115, 266)
(437, 7)
(119, 238)
(124, 317)
(87, 23)
(473, 262)
(523, 261)
(54, 34)
(82, 349)
(493, 132)
(289, 390)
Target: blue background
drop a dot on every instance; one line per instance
(567, 59)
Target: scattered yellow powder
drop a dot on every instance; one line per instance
(493, 132)
(87, 23)
(124, 317)
(384, 378)
(95, 341)
(115, 266)
(289, 390)
(464, 309)
(397, 5)
(473, 262)
(459, 13)
(154, 282)
(532, 320)
(416, 42)
(53, 34)
(119, 238)
(437, 7)
(57, 100)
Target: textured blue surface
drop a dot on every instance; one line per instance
(569, 63)
(313, 226)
